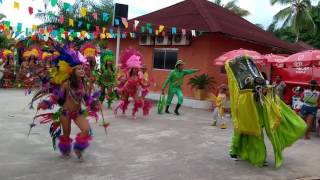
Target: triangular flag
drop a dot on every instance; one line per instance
(30, 10)
(50, 29)
(83, 11)
(102, 36)
(103, 30)
(111, 31)
(193, 32)
(116, 22)
(184, 32)
(95, 15)
(105, 16)
(161, 28)
(71, 22)
(61, 19)
(174, 30)
(0, 1)
(19, 27)
(53, 3)
(34, 27)
(7, 24)
(16, 5)
(97, 28)
(88, 26)
(157, 32)
(136, 23)
(79, 23)
(66, 6)
(150, 31)
(124, 22)
(142, 29)
(148, 26)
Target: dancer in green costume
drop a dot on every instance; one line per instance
(107, 77)
(255, 106)
(175, 81)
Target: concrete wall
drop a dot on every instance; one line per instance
(200, 55)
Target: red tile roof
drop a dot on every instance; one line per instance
(206, 16)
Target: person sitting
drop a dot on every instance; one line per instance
(310, 106)
(296, 100)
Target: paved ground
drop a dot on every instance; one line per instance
(162, 147)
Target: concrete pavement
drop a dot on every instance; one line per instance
(161, 147)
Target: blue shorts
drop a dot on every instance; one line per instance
(308, 110)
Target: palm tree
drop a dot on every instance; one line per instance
(296, 15)
(232, 6)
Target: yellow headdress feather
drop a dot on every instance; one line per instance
(62, 74)
(45, 55)
(6, 52)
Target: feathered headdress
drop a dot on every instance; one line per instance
(88, 50)
(67, 60)
(32, 52)
(106, 56)
(5, 53)
(130, 58)
(46, 55)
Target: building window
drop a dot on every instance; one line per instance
(164, 58)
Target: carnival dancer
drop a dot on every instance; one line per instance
(31, 79)
(175, 81)
(107, 77)
(131, 83)
(254, 107)
(69, 91)
(9, 69)
(90, 52)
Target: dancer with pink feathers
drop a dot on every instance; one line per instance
(132, 84)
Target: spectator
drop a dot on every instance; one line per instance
(280, 86)
(310, 106)
(296, 99)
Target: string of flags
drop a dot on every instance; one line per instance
(143, 27)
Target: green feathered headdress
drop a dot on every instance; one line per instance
(106, 56)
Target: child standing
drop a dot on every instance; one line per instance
(220, 105)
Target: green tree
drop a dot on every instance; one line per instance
(286, 33)
(232, 6)
(296, 15)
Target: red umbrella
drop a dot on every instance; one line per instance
(235, 53)
(304, 59)
(276, 60)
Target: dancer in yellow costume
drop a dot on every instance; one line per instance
(255, 106)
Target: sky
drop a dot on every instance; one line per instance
(261, 10)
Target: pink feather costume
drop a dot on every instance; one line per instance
(131, 84)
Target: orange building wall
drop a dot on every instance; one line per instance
(198, 55)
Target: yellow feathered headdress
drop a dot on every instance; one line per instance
(45, 55)
(88, 50)
(6, 52)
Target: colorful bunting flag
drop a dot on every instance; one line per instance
(30, 10)
(71, 23)
(157, 32)
(161, 28)
(1, 1)
(103, 30)
(193, 32)
(150, 31)
(83, 11)
(136, 23)
(97, 28)
(61, 19)
(16, 5)
(79, 23)
(95, 15)
(53, 3)
(88, 26)
(19, 27)
(184, 32)
(34, 27)
(7, 24)
(148, 26)
(105, 16)
(142, 29)
(66, 6)
(174, 30)
(125, 22)
(116, 22)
